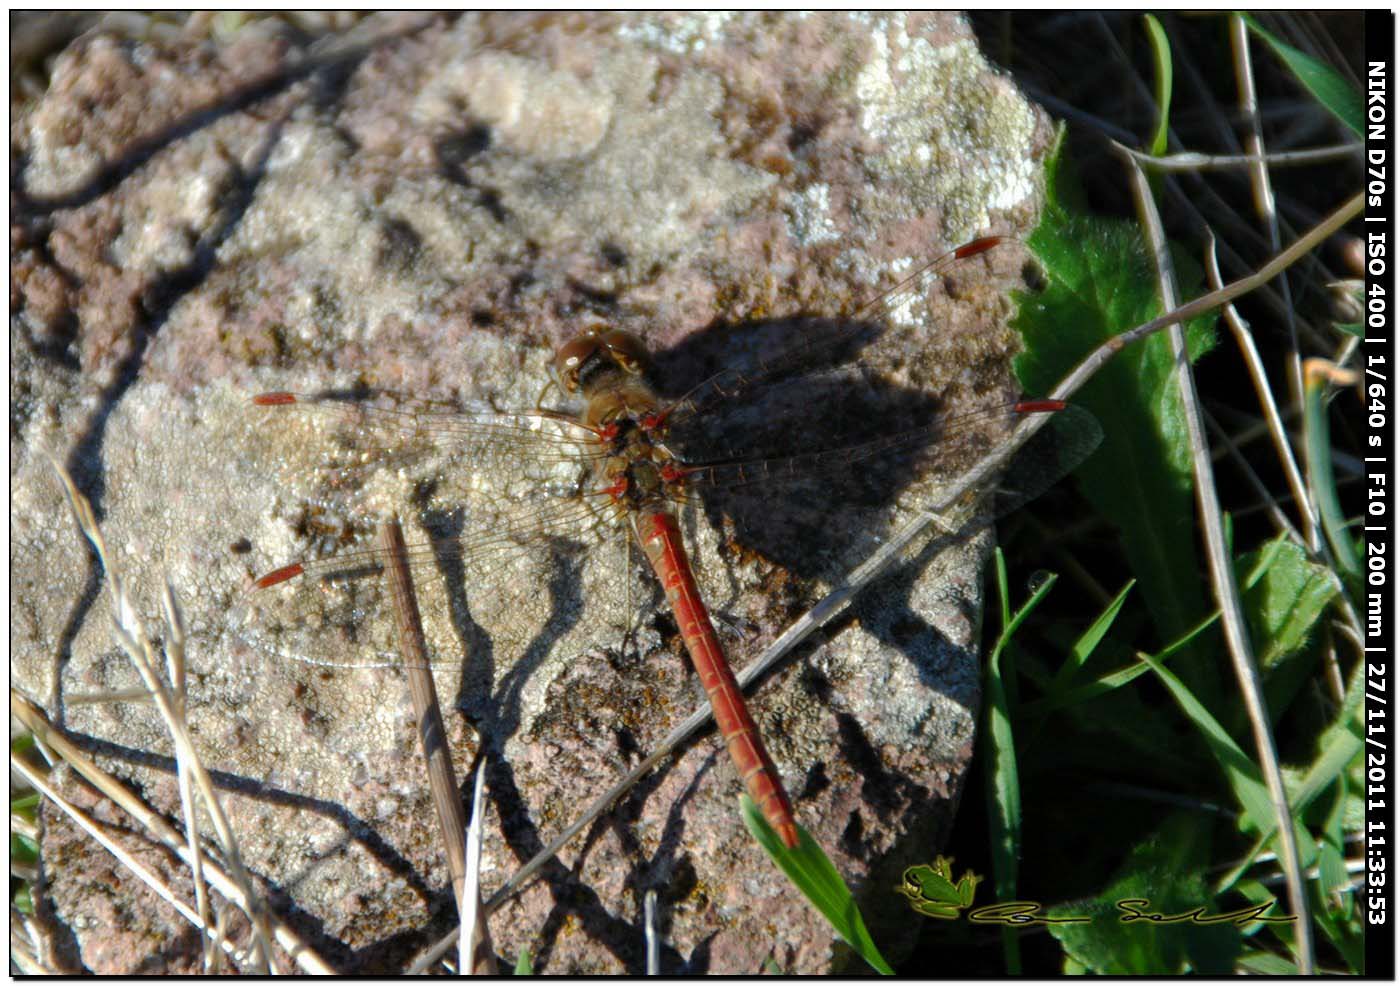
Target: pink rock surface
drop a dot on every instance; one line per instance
(205, 215)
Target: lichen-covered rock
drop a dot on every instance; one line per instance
(431, 205)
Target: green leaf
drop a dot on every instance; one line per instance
(25, 805)
(1262, 963)
(1084, 647)
(1338, 750)
(23, 849)
(1099, 283)
(1241, 771)
(1003, 781)
(1355, 329)
(1320, 79)
(1285, 604)
(1165, 875)
(523, 965)
(23, 899)
(1243, 775)
(813, 874)
(1317, 449)
(1162, 62)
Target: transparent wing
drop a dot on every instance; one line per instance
(372, 431)
(824, 343)
(505, 546)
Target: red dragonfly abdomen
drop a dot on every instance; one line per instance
(660, 538)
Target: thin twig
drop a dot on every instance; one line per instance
(1263, 189)
(1244, 339)
(1193, 161)
(437, 755)
(131, 634)
(1227, 591)
(125, 857)
(57, 744)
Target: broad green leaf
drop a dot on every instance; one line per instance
(1320, 79)
(1099, 283)
(1285, 604)
(813, 874)
(1162, 875)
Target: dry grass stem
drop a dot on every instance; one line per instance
(1223, 584)
(653, 939)
(141, 695)
(474, 951)
(1244, 340)
(1192, 161)
(131, 635)
(1262, 187)
(139, 869)
(442, 780)
(61, 748)
(1229, 448)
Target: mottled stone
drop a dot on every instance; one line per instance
(206, 216)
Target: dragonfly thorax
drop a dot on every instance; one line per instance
(636, 468)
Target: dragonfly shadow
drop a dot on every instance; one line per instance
(565, 605)
(494, 707)
(574, 901)
(801, 415)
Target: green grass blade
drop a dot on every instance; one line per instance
(1003, 779)
(813, 874)
(26, 805)
(1162, 63)
(1318, 449)
(1115, 679)
(1241, 772)
(23, 849)
(1320, 79)
(1088, 641)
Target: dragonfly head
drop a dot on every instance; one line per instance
(597, 353)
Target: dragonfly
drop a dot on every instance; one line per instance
(618, 466)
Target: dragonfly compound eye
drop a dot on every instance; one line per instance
(626, 349)
(570, 357)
